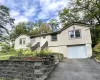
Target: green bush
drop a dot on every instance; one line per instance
(97, 48)
(43, 53)
(6, 49)
(28, 53)
(98, 56)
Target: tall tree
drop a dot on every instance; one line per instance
(68, 16)
(84, 11)
(4, 20)
(22, 28)
(44, 28)
(54, 24)
(29, 28)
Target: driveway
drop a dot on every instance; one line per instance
(76, 69)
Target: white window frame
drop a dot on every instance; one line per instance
(22, 41)
(74, 34)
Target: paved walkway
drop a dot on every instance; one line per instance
(76, 69)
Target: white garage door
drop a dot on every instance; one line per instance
(77, 52)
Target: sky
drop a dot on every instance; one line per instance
(33, 10)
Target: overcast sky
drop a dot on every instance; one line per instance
(32, 10)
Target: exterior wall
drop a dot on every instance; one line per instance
(59, 49)
(35, 40)
(22, 46)
(39, 39)
(53, 43)
(63, 40)
(64, 50)
(85, 36)
(89, 50)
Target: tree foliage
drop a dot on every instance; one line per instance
(4, 20)
(30, 28)
(83, 11)
(54, 24)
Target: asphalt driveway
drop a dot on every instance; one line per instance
(76, 69)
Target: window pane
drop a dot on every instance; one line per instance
(71, 34)
(54, 37)
(23, 41)
(77, 33)
(20, 41)
(44, 36)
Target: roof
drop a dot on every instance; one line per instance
(20, 35)
(64, 28)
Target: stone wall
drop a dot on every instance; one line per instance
(25, 70)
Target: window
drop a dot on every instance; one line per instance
(33, 40)
(44, 36)
(22, 41)
(54, 37)
(75, 34)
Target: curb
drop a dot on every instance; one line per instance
(97, 60)
(51, 72)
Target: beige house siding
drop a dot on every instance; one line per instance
(63, 40)
(61, 45)
(85, 36)
(22, 46)
(59, 49)
(89, 50)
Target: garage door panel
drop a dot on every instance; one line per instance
(77, 52)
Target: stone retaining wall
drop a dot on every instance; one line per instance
(25, 70)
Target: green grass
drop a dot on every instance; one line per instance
(5, 57)
(2, 79)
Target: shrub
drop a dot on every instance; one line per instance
(19, 53)
(43, 53)
(28, 53)
(5, 48)
(97, 48)
(98, 56)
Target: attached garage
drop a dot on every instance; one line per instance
(77, 51)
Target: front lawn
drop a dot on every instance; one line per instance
(6, 57)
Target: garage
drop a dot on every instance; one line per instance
(77, 51)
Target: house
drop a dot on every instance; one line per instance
(74, 41)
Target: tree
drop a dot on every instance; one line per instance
(91, 9)
(4, 20)
(54, 25)
(68, 16)
(29, 28)
(83, 11)
(44, 28)
(38, 23)
(22, 28)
